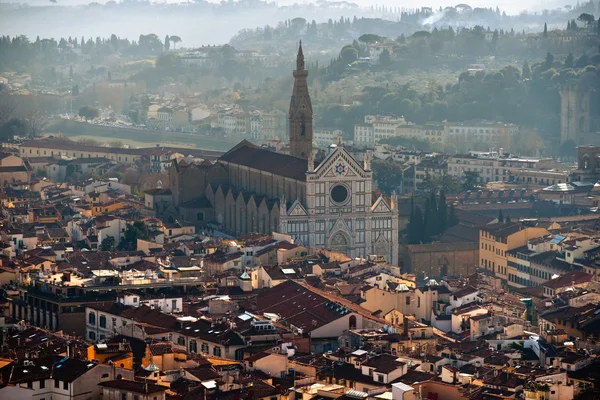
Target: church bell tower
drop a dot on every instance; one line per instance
(300, 113)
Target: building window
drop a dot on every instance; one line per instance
(42, 384)
(66, 385)
(56, 383)
(407, 300)
(352, 322)
(103, 321)
(193, 346)
(205, 348)
(92, 335)
(217, 351)
(92, 318)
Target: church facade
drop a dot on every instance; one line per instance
(325, 204)
(338, 212)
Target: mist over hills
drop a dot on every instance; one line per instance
(198, 23)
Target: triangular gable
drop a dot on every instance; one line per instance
(339, 157)
(297, 209)
(339, 225)
(380, 206)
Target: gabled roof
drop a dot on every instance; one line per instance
(249, 155)
(568, 279)
(133, 386)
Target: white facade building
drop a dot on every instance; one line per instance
(339, 213)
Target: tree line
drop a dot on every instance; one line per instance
(434, 219)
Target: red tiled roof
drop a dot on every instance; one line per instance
(248, 155)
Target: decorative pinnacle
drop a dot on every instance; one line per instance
(300, 58)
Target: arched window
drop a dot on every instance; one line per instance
(352, 322)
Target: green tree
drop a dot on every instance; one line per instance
(442, 212)
(434, 212)
(387, 174)
(508, 220)
(470, 180)
(349, 54)
(108, 244)
(89, 112)
(370, 38)
(133, 232)
(545, 30)
(452, 218)
(569, 61)
(500, 217)
(175, 40)
(526, 71)
(587, 19)
(429, 221)
(418, 228)
(548, 61)
(167, 43)
(384, 58)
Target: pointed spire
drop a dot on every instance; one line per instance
(300, 58)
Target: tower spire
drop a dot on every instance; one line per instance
(300, 112)
(300, 58)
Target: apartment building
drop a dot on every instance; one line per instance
(480, 135)
(326, 136)
(496, 240)
(497, 166)
(377, 127)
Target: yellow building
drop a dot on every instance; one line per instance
(274, 124)
(496, 240)
(118, 354)
(105, 208)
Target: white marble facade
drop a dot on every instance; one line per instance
(339, 212)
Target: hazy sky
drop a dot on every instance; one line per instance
(196, 28)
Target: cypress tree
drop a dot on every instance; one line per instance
(426, 223)
(526, 72)
(452, 218)
(442, 212)
(412, 238)
(507, 220)
(430, 220)
(418, 220)
(500, 217)
(545, 30)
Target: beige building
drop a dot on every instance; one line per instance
(495, 166)
(377, 127)
(13, 169)
(480, 135)
(496, 240)
(325, 137)
(442, 259)
(39, 148)
(274, 124)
